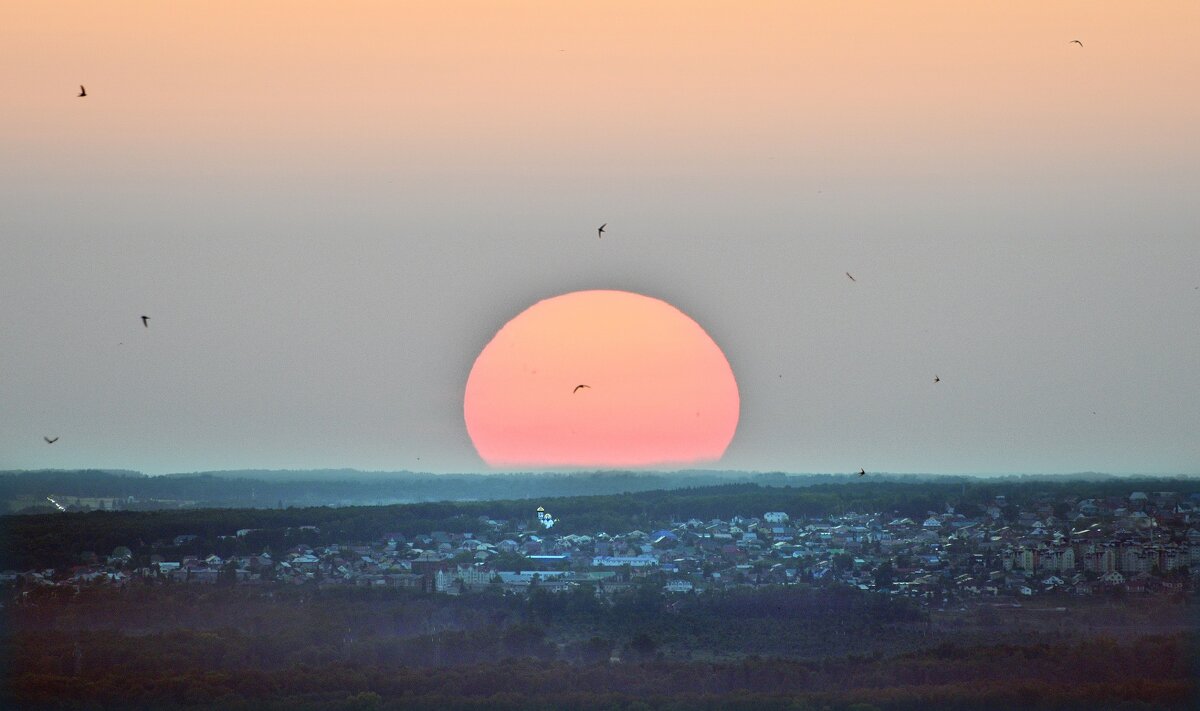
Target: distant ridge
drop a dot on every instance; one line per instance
(90, 489)
(356, 475)
(347, 474)
(53, 472)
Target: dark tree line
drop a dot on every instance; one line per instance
(271, 489)
(795, 621)
(185, 646)
(200, 673)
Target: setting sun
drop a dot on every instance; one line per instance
(658, 389)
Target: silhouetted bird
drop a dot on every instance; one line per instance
(862, 472)
(50, 440)
(851, 276)
(589, 387)
(600, 232)
(936, 379)
(1076, 42)
(82, 91)
(146, 321)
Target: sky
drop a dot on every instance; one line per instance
(329, 209)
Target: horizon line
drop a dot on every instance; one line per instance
(595, 472)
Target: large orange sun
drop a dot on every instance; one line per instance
(601, 379)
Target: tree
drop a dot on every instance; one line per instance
(525, 639)
(596, 650)
(227, 575)
(643, 646)
(884, 576)
(510, 562)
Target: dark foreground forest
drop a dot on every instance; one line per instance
(776, 648)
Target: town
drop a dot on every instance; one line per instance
(1145, 543)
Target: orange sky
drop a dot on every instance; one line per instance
(490, 87)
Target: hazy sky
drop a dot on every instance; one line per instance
(328, 209)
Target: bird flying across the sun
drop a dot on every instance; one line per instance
(600, 231)
(850, 276)
(862, 472)
(146, 321)
(936, 379)
(577, 387)
(50, 440)
(82, 92)
(1076, 42)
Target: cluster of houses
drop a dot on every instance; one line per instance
(1146, 543)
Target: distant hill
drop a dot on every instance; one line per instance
(91, 489)
(27, 491)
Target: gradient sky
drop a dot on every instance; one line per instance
(328, 209)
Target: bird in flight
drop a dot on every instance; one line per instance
(936, 379)
(862, 472)
(850, 276)
(146, 321)
(50, 440)
(600, 232)
(82, 92)
(1076, 42)
(589, 387)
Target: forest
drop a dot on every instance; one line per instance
(179, 647)
(25, 491)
